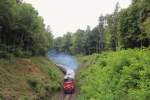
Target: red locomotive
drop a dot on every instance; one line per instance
(69, 82)
(69, 85)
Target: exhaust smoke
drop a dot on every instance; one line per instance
(68, 61)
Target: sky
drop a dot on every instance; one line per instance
(69, 15)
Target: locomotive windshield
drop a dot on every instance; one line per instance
(68, 79)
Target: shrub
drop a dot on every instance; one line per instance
(122, 75)
(35, 84)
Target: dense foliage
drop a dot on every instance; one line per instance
(124, 28)
(22, 31)
(122, 75)
(132, 31)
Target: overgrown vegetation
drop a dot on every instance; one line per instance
(122, 75)
(29, 79)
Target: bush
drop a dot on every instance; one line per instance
(35, 84)
(8, 52)
(122, 75)
(18, 52)
(55, 87)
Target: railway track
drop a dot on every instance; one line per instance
(63, 96)
(67, 97)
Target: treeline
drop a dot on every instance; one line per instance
(125, 28)
(22, 31)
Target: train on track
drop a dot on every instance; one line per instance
(69, 82)
(69, 79)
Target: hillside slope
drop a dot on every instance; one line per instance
(122, 75)
(28, 79)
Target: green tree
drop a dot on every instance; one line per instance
(66, 42)
(111, 32)
(132, 33)
(78, 42)
(101, 30)
(58, 44)
(21, 28)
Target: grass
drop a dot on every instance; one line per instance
(28, 79)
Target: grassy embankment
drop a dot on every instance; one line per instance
(122, 75)
(28, 79)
